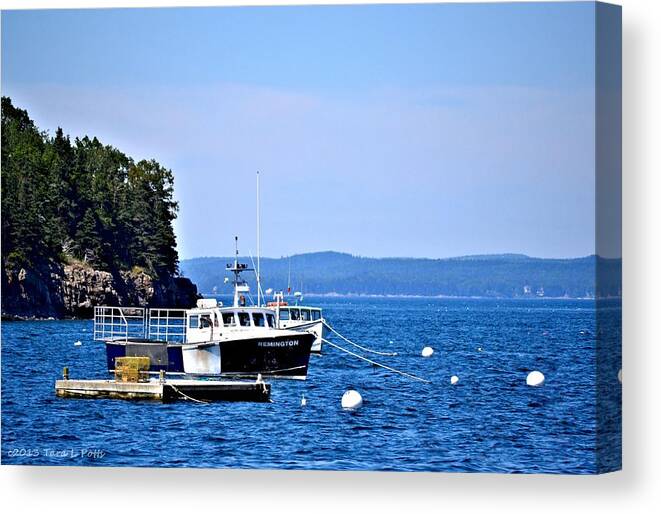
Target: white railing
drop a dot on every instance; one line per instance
(117, 323)
(167, 325)
(124, 323)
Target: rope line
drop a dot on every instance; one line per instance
(386, 354)
(404, 373)
(186, 396)
(270, 372)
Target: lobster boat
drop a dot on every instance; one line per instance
(208, 340)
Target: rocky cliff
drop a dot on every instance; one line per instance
(72, 290)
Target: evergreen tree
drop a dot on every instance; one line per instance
(84, 200)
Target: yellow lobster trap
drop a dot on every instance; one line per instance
(132, 369)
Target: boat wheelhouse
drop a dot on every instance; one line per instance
(300, 318)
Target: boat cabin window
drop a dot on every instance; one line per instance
(258, 319)
(228, 319)
(284, 314)
(295, 314)
(194, 321)
(270, 320)
(205, 321)
(305, 314)
(244, 319)
(316, 314)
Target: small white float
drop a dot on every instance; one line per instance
(304, 402)
(454, 379)
(535, 378)
(78, 343)
(352, 399)
(427, 351)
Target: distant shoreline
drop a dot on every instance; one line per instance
(333, 274)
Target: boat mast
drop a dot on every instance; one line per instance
(289, 275)
(240, 286)
(259, 287)
(236, 271)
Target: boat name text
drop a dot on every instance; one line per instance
(277, 344)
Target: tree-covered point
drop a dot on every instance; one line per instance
(83, 200)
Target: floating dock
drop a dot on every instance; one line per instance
(166, 391)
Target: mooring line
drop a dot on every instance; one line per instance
(369, 350)
(404, 373)
(271, 372)
(186, 396)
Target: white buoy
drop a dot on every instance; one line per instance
(454, 379)
(351, 399)
(427, 351)
(619, 375)
(535, 378)
(479, 348)
(304, 402)
(78, 343)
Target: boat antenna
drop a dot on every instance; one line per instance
(259, 288)
(235, 271)
(289, 275)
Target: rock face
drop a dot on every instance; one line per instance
(72, 290)
(32, 293)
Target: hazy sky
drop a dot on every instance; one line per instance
(430, 130)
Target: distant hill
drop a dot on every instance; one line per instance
(506, 276)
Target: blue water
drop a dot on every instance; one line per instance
(490, 421)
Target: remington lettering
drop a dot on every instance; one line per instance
(277, 344)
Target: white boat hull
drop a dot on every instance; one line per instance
(317, 328)
(201, 359)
